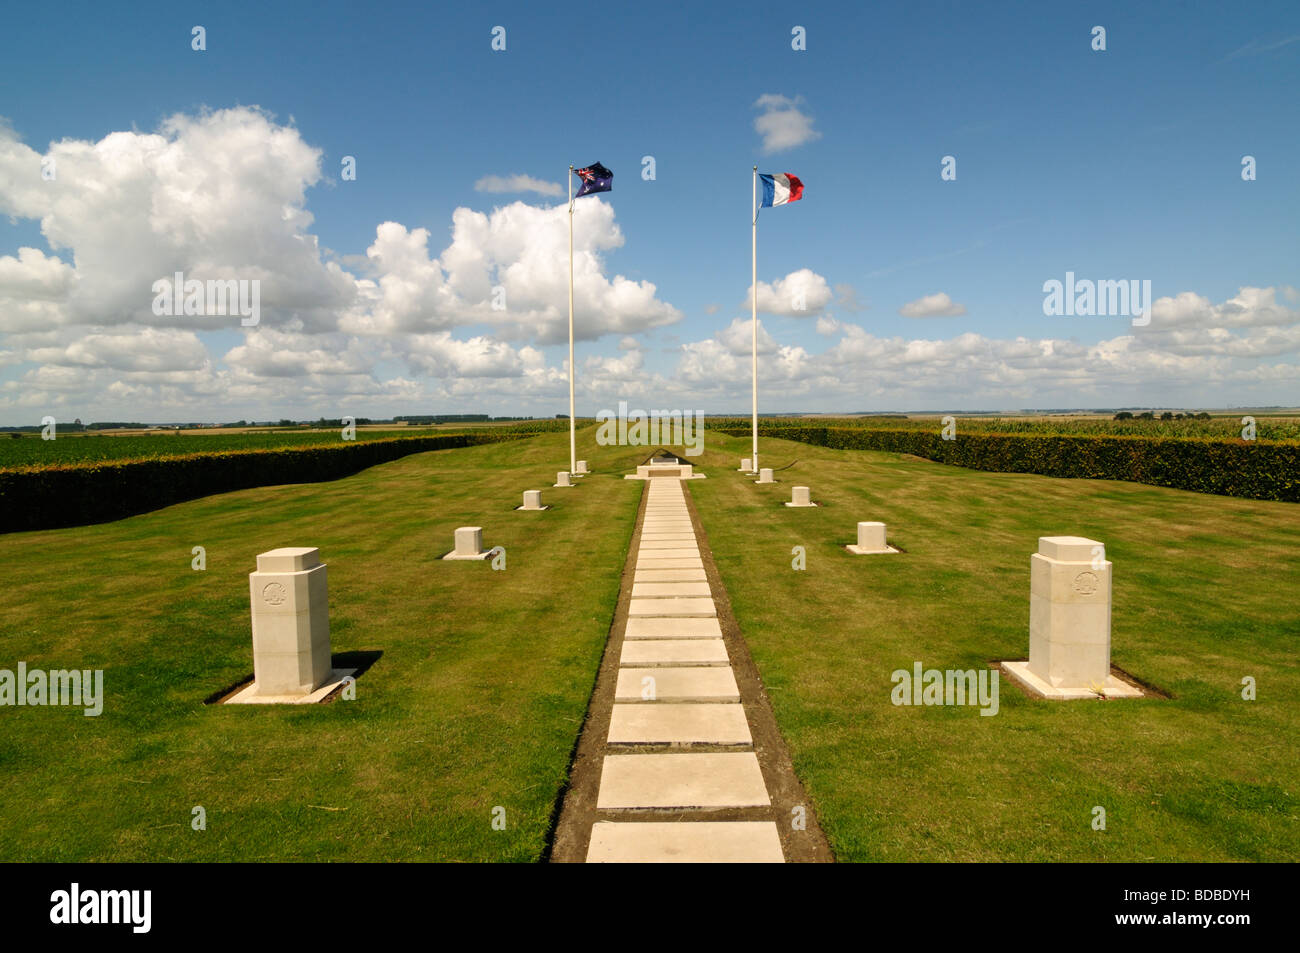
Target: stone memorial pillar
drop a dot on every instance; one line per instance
(1069, 622)
(562, 478)
(291, 623)
(765, 476)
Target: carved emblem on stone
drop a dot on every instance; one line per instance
(274, 593)
(1085, 583)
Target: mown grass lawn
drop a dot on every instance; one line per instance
(475, 703)
(479, 694)
(1204, 595)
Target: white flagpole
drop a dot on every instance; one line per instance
(573, 446)
(754, 315)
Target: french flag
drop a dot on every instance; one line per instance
(780, 189)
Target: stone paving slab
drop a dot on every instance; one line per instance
(683, 538)
(673, 606)
(677, 552)
(713, 724)
(670, 651)
(669, 575)
(698, 684)
(668, 562)
(699, 842)
(651, 628)
(694, 780)
(652, 590)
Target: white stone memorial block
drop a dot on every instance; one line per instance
(291, 624)
(1069, 621)
(765, 475)
(580, 468)
(871, 537)
(469, 540)
(800, 496)
(562, 478)
(532, 500)
(745, 465)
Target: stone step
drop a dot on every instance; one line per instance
(689, 542)
(685, 842)
(658, 590)
(714, 724)
(679, 552)
(693, 780)
(657, 563)
(652, 628)
(676, 606)
(696, 684)
(669, 575)
(670, 651)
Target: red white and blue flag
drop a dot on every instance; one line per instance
(780, 188)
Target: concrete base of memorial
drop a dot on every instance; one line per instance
(1113, 687)
(248, 694)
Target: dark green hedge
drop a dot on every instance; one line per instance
(73, 495)
(1258, 470)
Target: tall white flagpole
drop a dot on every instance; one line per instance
(754, 308)
(573, 446)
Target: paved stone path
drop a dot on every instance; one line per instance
(675, 690)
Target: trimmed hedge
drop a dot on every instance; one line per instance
(54, 496)
(1258, 470)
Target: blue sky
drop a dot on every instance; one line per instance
(1115, 164)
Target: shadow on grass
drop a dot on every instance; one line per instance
(361, 661)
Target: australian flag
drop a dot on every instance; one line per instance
(595, 178)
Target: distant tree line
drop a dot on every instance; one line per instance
(1167, 415)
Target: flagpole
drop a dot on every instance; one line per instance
(754, 313)
(573, 446)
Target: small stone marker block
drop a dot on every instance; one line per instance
(533, 500)
(469, 544)
(800, 497)
(765, 476)
(291, 624)
(580, 468)
(871, 540)
(1069, 622)
(562, 478)
(745, 465)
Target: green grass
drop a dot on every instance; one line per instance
(1203, 595)
(476, 700)
(484, 678)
